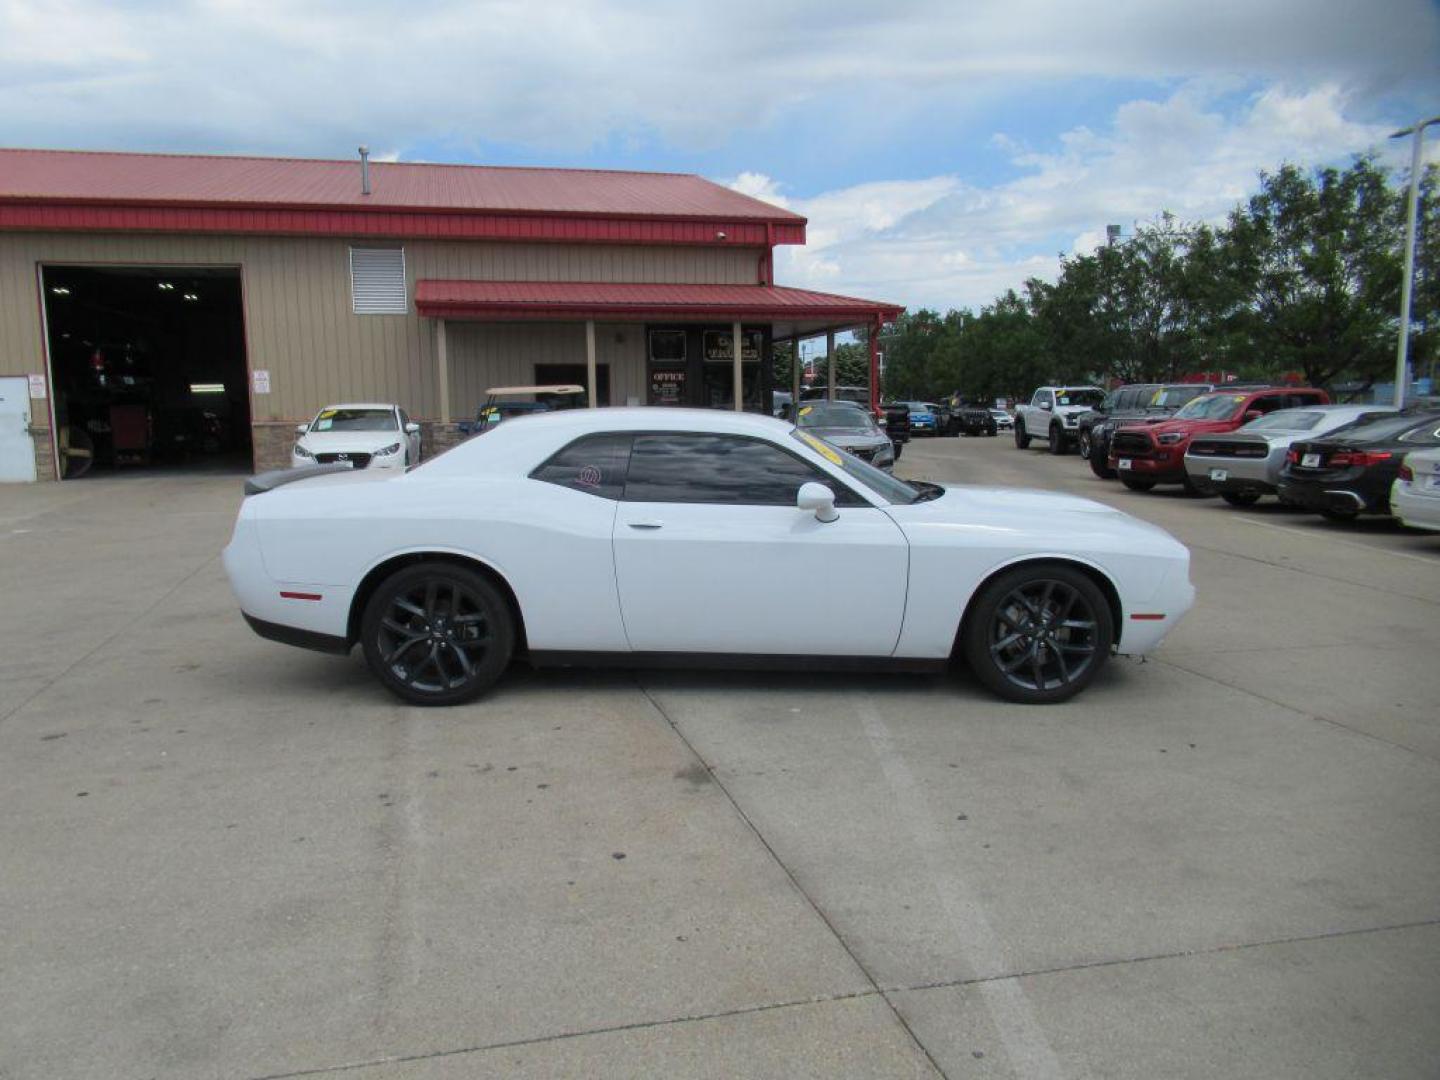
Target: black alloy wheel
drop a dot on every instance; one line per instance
(1039, 635)
(1241, 498)
(1083, 446)
(437, 634)
(1137, 483)
(1022, 441)
(1057, 440)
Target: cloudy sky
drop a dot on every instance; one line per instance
(944, 150)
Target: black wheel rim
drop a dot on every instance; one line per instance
(434, 635)
(1085, 447)
(1044, 635)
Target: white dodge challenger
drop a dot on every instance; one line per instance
(698, 538)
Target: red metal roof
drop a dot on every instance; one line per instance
(159, 192)
(584, 299)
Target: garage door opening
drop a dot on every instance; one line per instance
(147, 365)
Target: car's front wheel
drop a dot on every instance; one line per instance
(1038, 635)
(437, 634)
(1022, 441)
(1083, 446)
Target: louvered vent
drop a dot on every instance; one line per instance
(377, 281)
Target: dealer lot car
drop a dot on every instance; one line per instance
(850, 427)
(361, 436)
(1415, 495)
(644, 536)
(1245, 466)
(1351, 472)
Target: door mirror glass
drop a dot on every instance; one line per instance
(301, 429)
(818, 500)
(1045, 405)
(411, 428)
(1253, 414)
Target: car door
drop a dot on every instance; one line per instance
(712, 555)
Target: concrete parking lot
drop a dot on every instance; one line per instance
(227, 858)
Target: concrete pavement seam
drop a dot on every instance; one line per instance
(794, 882)
(1297, 711)
(510, 1044)
(1122, 961)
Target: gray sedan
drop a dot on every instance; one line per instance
(849, 427)
(1245, 465)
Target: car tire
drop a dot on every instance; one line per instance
(1099, 466)
(1082, 446)
(1058, 444)
(1194, 489)
(1137, 483)
(418, 612)
(897, 447)
(1241, 498)
(1022, 441)
(1038, 634)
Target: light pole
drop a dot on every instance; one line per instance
(1402, 350)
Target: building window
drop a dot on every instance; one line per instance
(377, 281)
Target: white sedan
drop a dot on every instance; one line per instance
(676, 536)
(358, 436)
(1415, 495)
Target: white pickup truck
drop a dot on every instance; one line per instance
(1054, 415)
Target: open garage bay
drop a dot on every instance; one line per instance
(226, 858)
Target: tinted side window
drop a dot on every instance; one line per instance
(1428, 435)
(726, 469)
(595, 465)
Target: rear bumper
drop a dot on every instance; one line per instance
(1242, 474)
(1319, 497)
(290, 635)
(1166, 470)
(1415, 510)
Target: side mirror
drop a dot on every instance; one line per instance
(818, 499)
(411, 428)
(301, 429)
(1252, 414)
(1046, 406)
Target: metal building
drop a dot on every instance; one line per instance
(169, 308)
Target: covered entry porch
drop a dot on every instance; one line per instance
(706, 346)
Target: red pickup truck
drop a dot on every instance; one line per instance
(1150, 454)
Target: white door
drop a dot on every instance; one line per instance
(17, 449)
(700, 570)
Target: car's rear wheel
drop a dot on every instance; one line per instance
(1241, 498)
(1137, 483)
(1022, 441)
(437, 634)
(1057, 440)
(1038, 635)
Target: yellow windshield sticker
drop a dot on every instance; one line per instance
(807, 410)
(327, 414)
(822, 449)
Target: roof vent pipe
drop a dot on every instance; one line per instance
(364, 170)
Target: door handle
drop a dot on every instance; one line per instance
(645, 524)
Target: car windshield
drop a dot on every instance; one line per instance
(1089, 398)
(355, 420)
(1286, 420)
(896, 492)
(1390, 427)
(917, 406)
(835, 415)
(1212, 407)
(998, 413)
(1172, 397)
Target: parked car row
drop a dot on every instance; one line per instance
(1244, 443)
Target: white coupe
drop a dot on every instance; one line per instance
(358, 436)
(672, 536)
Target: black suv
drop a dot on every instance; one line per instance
(1135, 403)
(968, 418)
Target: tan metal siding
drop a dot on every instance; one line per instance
(505, 354)
(298, 320)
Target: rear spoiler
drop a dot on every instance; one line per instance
(269, 481)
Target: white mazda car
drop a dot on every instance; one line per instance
(676, 536)
(358, 436)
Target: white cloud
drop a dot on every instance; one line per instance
(941, 242)
(566, 75)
